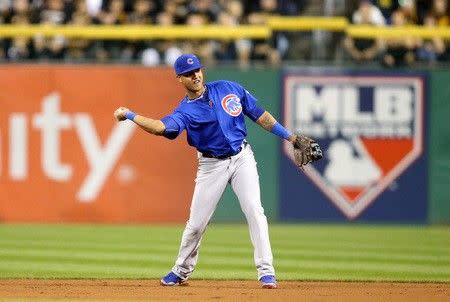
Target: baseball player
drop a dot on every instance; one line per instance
(213, 115)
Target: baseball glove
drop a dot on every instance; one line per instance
(306, 150)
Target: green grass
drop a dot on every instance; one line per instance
(301, 252)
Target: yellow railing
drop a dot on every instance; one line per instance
(398, 32)
(341, 24)
(307, 23)
(130, 32)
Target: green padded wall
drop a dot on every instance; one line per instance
(439, 152)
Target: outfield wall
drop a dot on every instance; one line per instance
(419, 194)
(63, 158)
(439, 167)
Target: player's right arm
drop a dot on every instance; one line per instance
(152, 126)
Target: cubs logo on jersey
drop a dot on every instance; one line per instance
(370, 128)
(231, 103)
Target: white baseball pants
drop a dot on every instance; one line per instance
(212, 178)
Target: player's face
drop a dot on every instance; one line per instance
(193, 80)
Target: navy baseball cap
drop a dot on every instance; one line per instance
(186, 63)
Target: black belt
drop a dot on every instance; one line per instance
(225, 156)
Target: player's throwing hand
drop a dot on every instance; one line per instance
(120, 112)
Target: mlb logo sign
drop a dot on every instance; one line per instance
(370, 128)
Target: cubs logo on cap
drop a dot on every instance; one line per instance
(186, 63)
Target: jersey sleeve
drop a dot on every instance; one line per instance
(174, 123)
(250, 105)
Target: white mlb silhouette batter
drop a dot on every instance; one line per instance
(347, 169)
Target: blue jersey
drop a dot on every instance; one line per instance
(215, 121)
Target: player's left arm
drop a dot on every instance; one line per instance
(268, 122)
(305, 149)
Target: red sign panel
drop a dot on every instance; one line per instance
(63, 158)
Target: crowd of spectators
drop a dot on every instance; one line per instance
(406, 50)
(389, 52)
(142, 12)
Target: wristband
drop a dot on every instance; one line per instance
(130, 115)
(279, 130)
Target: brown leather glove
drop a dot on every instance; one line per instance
(306, 150)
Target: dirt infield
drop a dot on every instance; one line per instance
(201, 290)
